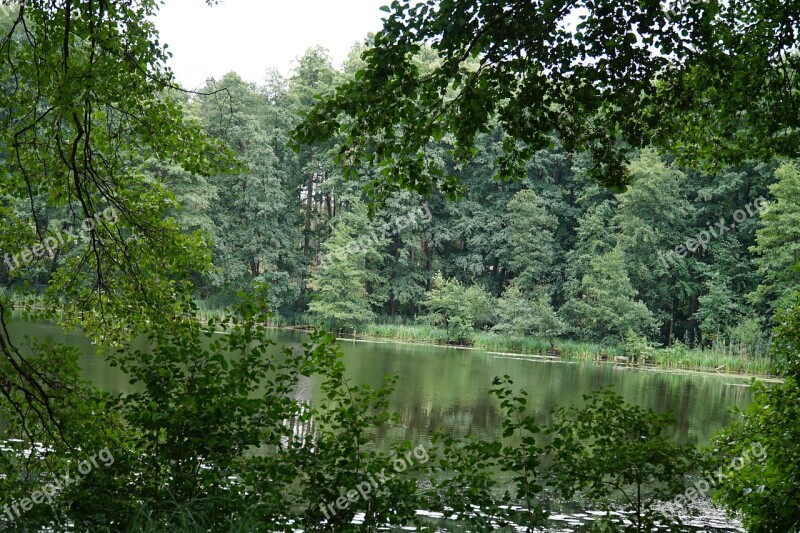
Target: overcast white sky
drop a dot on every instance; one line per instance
(249, 36)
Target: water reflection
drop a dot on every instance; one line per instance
(446, 389)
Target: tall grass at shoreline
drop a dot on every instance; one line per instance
(676, 357)
(710, 359)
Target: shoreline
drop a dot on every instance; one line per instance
(649, 367)
(563, 355)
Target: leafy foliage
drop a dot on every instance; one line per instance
(521, 315)
(530, 234)
(606, 306)
(341, 280)
(448, 308)
(608, 448)
(765, 490)
(86, 97)
(627, 71)
(719, 311)
(471, 469)
(213, 433)
(778, 241)
(450, 95)
(86, 93)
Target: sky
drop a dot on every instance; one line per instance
(250, 36)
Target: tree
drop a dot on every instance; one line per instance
(313, 77)
(340, 282)
(530, 232)
(719, 311)
(520, 314)
(606, 307)
(697, 78)
(765, 488)
(778, 242)
(766, 491)
(761, 448)
(405, 220)
(480, 306)
(595, 236)
(86, 98)
(653, 217)
(448, 309)
(115, 104)
(252, 232)
(608, 447)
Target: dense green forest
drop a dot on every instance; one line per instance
(609, 177)
(551, 255)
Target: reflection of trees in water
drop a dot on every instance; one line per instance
(700, 404)
(300, 426)
(421, 413)
(455, 420)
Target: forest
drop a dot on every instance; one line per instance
(551, 255)
(609, 185)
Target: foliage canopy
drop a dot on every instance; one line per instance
(713, 80)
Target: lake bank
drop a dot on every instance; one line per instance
(678, 358)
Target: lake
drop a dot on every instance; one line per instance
(442, 388)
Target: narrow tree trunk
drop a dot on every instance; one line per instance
(328, 205)
(671, 331)
(309, 205)
(694, 305)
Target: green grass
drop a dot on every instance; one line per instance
(533, 345)
(483, 340)
(678, 357)
(697, 359)
(421, 333)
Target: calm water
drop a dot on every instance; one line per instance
(446, 389)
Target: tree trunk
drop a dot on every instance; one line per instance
(671, 331)
(309, 205)
(426, 253)
(694, 305)
(328, 205)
